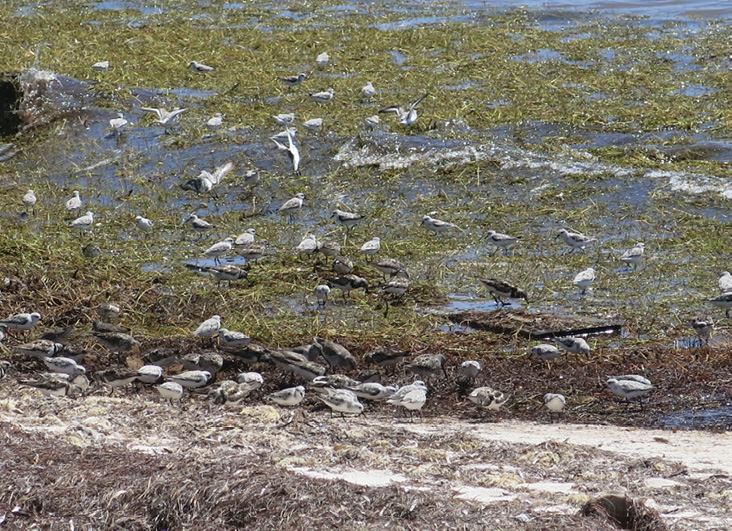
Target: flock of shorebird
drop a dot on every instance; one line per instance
(340, 392)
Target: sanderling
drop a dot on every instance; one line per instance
(50, 385)
(118, 124)
(584, 279)
(387, 266)
(574, 239)
(371, 247)
(223, 273)
(200, 67)
(253, 251)
(246, 237)
(723, 301)
(725, 281)
(217, 250)
(108, 328)
(40, 348)
(30, 200)
(292, 81)
(368, 91)
(218, 174)
(211, 362)
(118, 377)
(74, 204)
(410, 397)
(323, 96)
(630, 389)
(397, 285)
(322, 59)
(500, 289)
(143, 224)
(469, 370)
(253, 380)
(310, 351)
(288, 397)
(295, 363)
(214, 123)
(406, 117)
(108, 311)
(634, 255)
(308, 245)
(336, 355)
(372, 122)
(334, 381)
(545, 352)
(348, 283)
(322, 292)
(501, 241)
(232, 338)
(149, 374)
(425, 365)
(284, 119)
(329, 248)
(554, 402)
(191, 379)
(162, 357)
(372, 390)
(386, 357)
(576, 345)
(165, 118)
(83, 223)
(117, 342)
(21, 321)
(342, 401)
(101, 66)
(342, 265)
(314, 124)
(633, 378)
(170, 391)
(209, 328)
(347, 219)
(292, 205)
(488, 398)
(704, 329)
(437, 225)
(64, 365)
(292, 152)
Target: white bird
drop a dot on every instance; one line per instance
(217, 250)
(554, 402)
(501, 241)
(288, 397)
(372, 122)
(233, 339)
(347, 219)
(575, 240)
(170, 391)
(251, 178)
(725, 281)
(83, 223)
(250, 378)
(723, 301)
(573, 344)
(342, 401)
(149, 374)
(373, 390)
(314, 124)
(198, 224)
(284, 119)
(630, 388)
(488, 398)
(101, 66)
(292, 205)
(143, 224)
(200, 67)
(584, 279)
(21, 321)
(246, 238)
(704, 329)
(118, 124)
(437, 225)
(322, 59)
(634, 255)
(371, 247)
(209, 328)
(469, 369)
(74, 204)
(412, 400)
(30, 199)
(546, 352)
(406, 117)
(215, 122)
(218, 174)
(322, 292)
(291, 149)
(64, 366)
(368, 91)
(165, 118)
(322, 97)
(308, 245)
(292, 81)
(191, 379)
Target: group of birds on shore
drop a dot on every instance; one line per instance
(340, 392)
